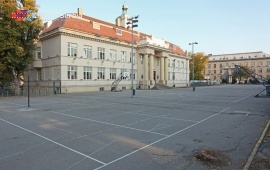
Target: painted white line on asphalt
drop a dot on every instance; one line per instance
(54, 142)
(161, 139)
(97, 121)
(242, 99)
(12, 103)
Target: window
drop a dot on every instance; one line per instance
(215, 65)
(252, 64)
(133, 74)
(141, 59)
(112, 73)
(72, 72)
(101, 53)
(233, 65)
(169, 75)
(101, 73)
(182, 64)
(39, 74)
(268, 63)
(215, 72)
(72, 49)
(113, 55)
(220, 71)
(38, 53)
(220, 65)
(87, 51)
(209, 71)
(260, 70)
(131, 58)
(178, 63)
(169, 62)
(87, 73)
(259, 63)
(268, 70)
(123, 56)
(118, 31)
(209, 65)
(122, 71)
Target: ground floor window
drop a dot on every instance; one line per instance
(72, 72)
(101, 73)
(87, 73)
(112, 73)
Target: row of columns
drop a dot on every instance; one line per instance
(150, 69)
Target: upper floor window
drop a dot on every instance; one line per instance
(169, 62)
(259, 63)
(72, 49)
(252, 64)
(130, 58)
(209, 65)
(123, 56)
(87, 51)
(118, 31)
(113, 73)
(101, 53)
(113, 55)
(215, 65)
(38, 53)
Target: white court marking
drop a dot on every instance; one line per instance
(54, 142)
(161, 139)
(242, 98)
(97, 121)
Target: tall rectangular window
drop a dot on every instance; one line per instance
(268, 63)
(130, 58)
(101, 73)
(252, 64)
(169, 62)
(215, 65)
(209, 65)
(38, 53)
(113, 55)
(122, 71)
(39, 74)
(141, 59)
(123, 56)
(179, 66)
(169, 78)
(101, 53)
(259, 63)
(72, 49)
(113, 73)
(72, 72)
(87, 73)
(87, 51)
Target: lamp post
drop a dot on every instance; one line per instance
(131, 25)
(173, 72)
(193, 64)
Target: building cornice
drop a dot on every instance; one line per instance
(246, 59)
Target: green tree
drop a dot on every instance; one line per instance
(18, 39)
(243, 72)
(200, 62)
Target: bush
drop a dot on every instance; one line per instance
(224, 81)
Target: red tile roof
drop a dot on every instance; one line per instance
(106, 30)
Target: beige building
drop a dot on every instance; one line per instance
(223, 66)
(78, 53)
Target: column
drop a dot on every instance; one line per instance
(145, 62)
(151, 70)
(162, 70)
(166, 70)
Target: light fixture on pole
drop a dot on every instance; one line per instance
(131, 24)
(193, 63)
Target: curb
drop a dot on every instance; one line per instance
(252, 155)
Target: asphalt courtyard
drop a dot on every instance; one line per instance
(110, 130)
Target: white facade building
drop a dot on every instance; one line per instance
(80, 53)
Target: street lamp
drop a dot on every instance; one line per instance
(131, 24)
(173, 72)
(193, 63)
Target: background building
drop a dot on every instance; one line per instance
(78, 53)
(222, 66)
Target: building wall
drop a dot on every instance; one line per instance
(222, 66)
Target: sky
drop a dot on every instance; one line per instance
(219, 26)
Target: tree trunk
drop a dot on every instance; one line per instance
(16, 83)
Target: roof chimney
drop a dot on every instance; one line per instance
(80, 11)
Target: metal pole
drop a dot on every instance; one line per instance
(28, 92)
(132, 67)
(173, 72)
(193, 66)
